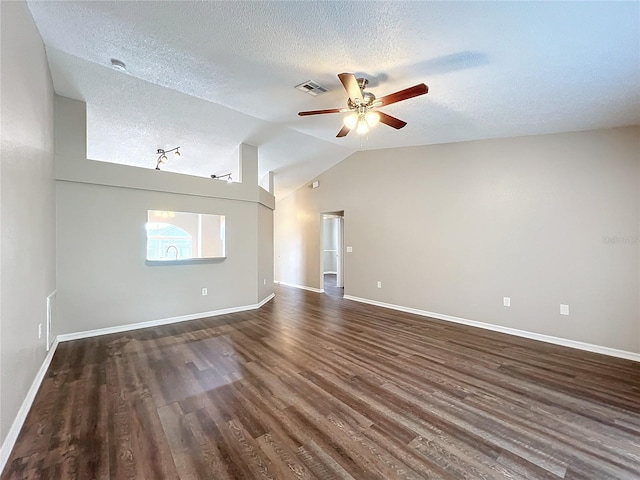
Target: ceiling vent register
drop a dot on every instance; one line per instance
(312, 88)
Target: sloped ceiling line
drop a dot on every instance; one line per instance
(211, 75)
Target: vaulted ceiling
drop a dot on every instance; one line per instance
(210, 75)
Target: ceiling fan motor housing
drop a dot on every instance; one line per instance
(362, 106)
(367, 97)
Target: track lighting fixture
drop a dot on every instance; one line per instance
(220, 177)
(162, 155)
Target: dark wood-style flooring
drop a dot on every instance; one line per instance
(330, 282)
(313, 386)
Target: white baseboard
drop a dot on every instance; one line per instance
(303, 287)
(163, 321)
(21, 416)
(266, 300)
(589, 347)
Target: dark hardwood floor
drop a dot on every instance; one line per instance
(330, 282)
(313, 386)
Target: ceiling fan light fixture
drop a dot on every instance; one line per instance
(362, 126)
(177, 152)
(360, 105)
(351, 120)
(372, 118)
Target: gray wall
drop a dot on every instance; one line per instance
(103, 278)
(265, 252)
(456, 227)
(27, 215)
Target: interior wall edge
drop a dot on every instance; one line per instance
(543, 220)
(14, 431)
(21, 416)
(565, 342)
(72, 164)
(27, 209)
(66, 337)
(266, 300)
(301, 287)
(163, 190)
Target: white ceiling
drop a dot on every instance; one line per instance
(210, 75)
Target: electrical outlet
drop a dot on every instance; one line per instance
(379, 284)
(39, 330)
(204, 292)
(506, 301)
(264, 281)
(564, 309)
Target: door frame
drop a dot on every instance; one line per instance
(340, 264)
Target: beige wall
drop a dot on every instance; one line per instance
(27, 214)
(297, 241)
(212, 234)
(103, 279)
(454, 228)
(265, 252)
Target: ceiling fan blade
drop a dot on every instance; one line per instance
(410, 92)
(343, 131)
(391, 121)
(319, 112)
(351, 86)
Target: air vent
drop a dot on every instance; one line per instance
(312, 88)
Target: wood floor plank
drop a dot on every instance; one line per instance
(313, 386)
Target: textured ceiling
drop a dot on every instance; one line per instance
(210, 75)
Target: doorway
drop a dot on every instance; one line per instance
(332, 257)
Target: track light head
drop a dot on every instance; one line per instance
(162, 155)
(220, 177)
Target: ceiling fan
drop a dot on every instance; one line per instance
(362, 105)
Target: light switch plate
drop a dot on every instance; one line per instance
(349, 249)
(564, 309)
(506, 301)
